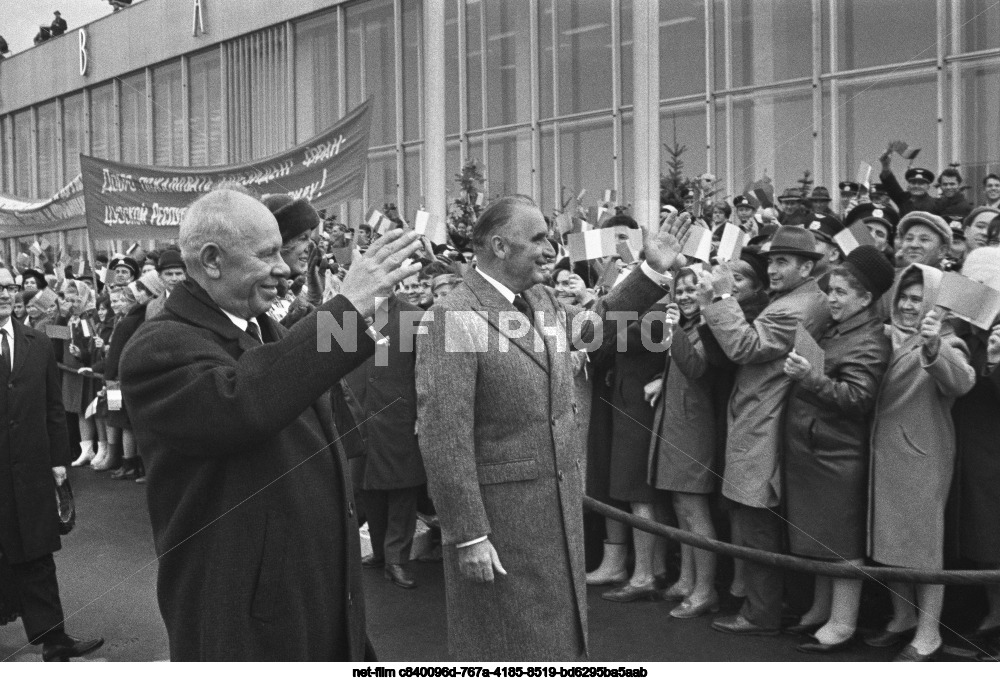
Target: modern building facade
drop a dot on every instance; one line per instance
(552, 96)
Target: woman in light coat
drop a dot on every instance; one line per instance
(913, 457)
(683, 448)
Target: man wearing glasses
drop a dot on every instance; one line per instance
(35, 450)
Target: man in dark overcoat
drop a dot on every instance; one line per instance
(34, 453)
(497, 426)
(250, 502)
(381, 395)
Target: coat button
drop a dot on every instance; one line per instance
(553, 421)
(561, 476)
(350, 599)
(350, 510)
(10, 385)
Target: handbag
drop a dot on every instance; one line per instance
(66, 506)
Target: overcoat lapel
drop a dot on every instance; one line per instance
(22, 346)
(492, 302)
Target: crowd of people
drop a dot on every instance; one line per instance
(800, 398)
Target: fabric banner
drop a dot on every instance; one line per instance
(128, 202)
(64, 210)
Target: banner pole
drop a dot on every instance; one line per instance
(93, 263)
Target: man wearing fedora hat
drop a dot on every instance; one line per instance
(752, 479)
(820, 200)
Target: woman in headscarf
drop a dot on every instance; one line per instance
(42, 308)
(913, 457)
(826, 443)
(976, 497)
(77, 384)
(683, 448)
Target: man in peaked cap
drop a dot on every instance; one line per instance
(879, 196)
(820, 200)
(881, 224)
(752, 480)
(744, 213)
(916, 196)
(793, 208)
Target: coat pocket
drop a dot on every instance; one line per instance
(911, 443)
(267, 593)
(507, 471)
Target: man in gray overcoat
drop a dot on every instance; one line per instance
(752, 479)
(497, 426)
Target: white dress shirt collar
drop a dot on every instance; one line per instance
(240, 323)
(9, 328)
(504, 291)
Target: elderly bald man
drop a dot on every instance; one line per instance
(250, 502)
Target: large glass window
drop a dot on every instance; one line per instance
(102, 122)
(73, 136)
(381, 178)
(584, 56)
(48, 149)
(586, 158)
(682, 48)
(509, 168)
(371, 66)
(133, 112)
(980, 24)
(876, 32)
(451, 57)
(874, 112)
(168, 116)
(205, 92)
(6, 157)
(771, 41)
(682, 132)
(474, 26)
(508, 62)
(316, 76)
(625, 32)
(980, 125)
(76, 243)
(412, 55)
(412, 190)
(772, 136)
(22, 155)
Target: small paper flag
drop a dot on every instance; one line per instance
(593, 244)
(343, 256)
(579, 197)
(131, 249)
(976, 303)
(911, 154)
(564, 223)
(601, 212)
(807, 346)
(36, 248)
(732, 243)
(625, 252)
(851, 237)
(864, 176)
(420, 222)
(585, 226)
(698, 244)
(610, 195)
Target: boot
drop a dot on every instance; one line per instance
(106, 463)
(86, 454)
(128, 471)
(612, 568)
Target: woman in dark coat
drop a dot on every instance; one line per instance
(635, 369)
(682, 451)
(135, 298)
(78, 389)
(913, 457)
(977, 427)
(826, 442)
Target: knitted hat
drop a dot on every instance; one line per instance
(170, 259)
(872, 270)
(983, 265)
(934, 222)
(153, 283)
(294, 216)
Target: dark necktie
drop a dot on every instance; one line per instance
(521, 305)
(5, 362)
(254, 331)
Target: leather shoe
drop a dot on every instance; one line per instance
(738, 624)
(372, 561)
(67, 647)
(675, 593)
(627, 593)
(985, 633)
(910, 654)
(815, 646)
(595, 579)
(802, 629)
(887, 639)
(688, 610)
(398, 575)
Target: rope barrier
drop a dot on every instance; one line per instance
(788, 562)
